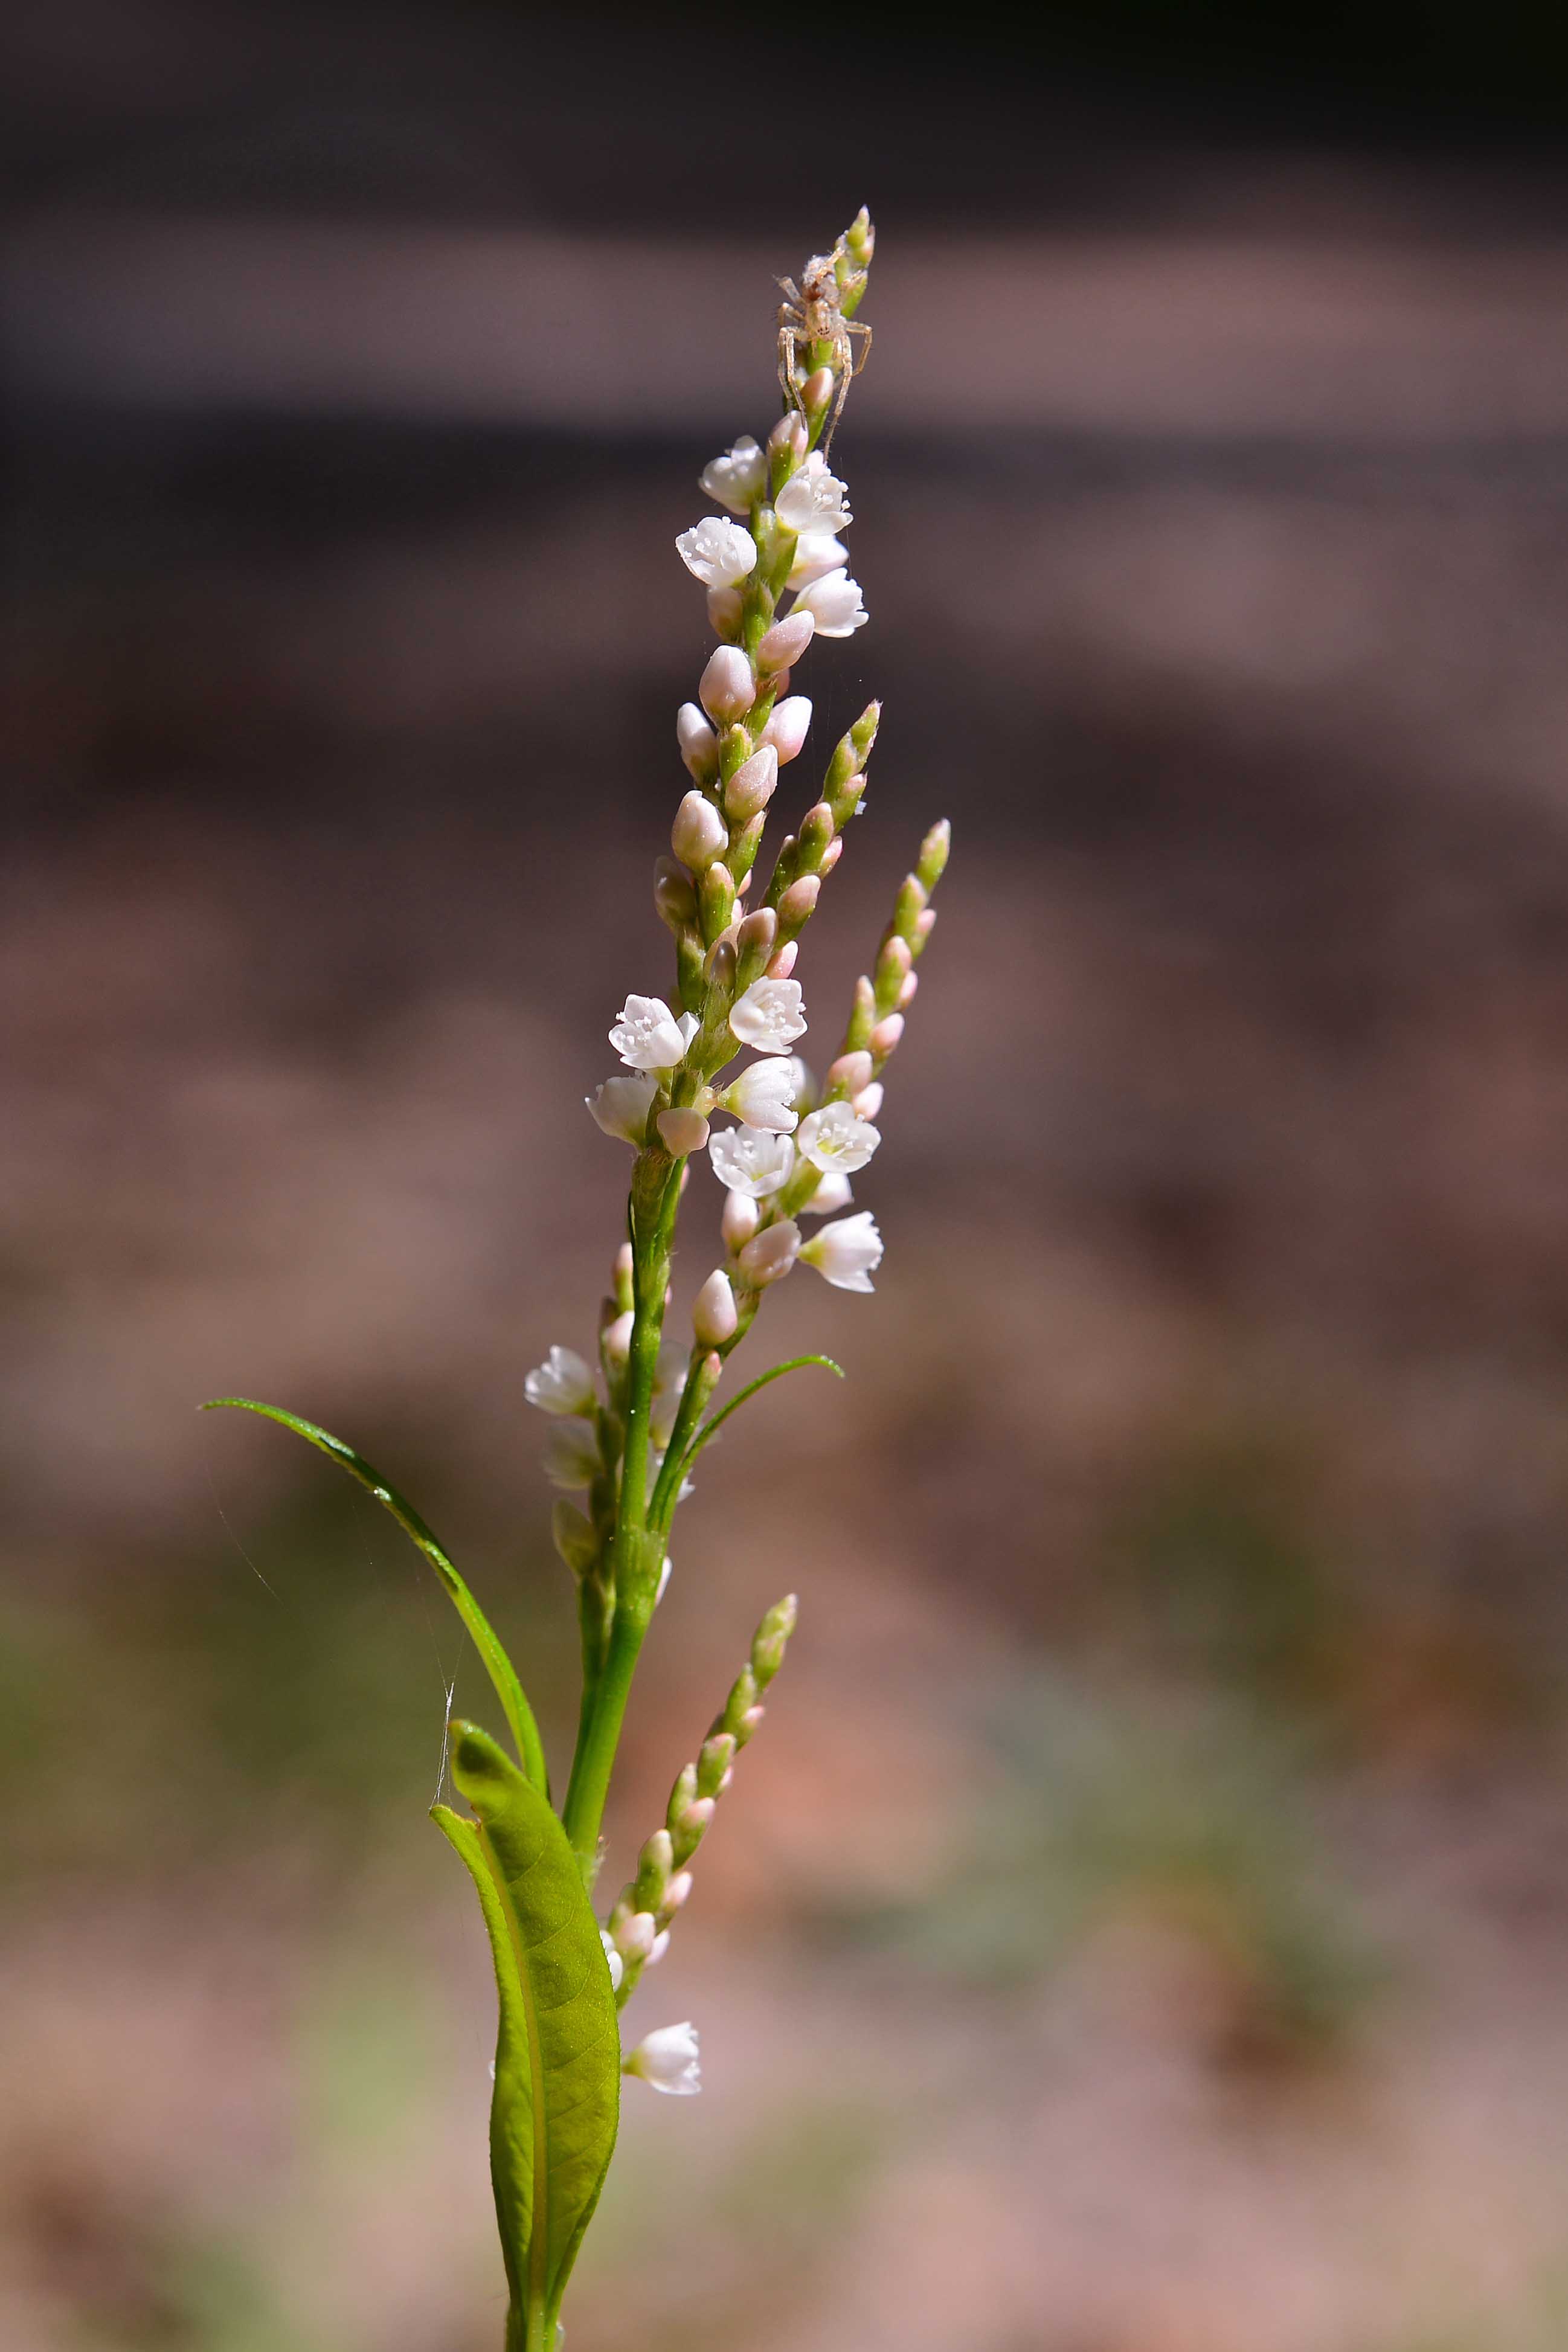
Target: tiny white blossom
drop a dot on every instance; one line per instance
(635, 1933)
(717, 553)
(572, 1455)
(562, 1383)
(813, 499)
(846, 1253)
(815, 555)
(647, 1035)
(770, 1015)
(763, 1096)
(617, 1966)
(746, 1159)
(769, 1253)
(737, 479)
(621, 1105)
(667, 2059)
(834, 604)
(835, 1141)
(832, 1194)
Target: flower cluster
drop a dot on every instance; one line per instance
(712, 1068)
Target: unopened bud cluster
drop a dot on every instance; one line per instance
(639, 1926)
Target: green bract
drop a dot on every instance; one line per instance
(558, 2050)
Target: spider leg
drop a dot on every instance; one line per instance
(840, 394)
(852, 327)
(788, 373)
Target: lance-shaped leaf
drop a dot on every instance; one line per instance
(498, 1665)
(558, 2050)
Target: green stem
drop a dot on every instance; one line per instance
(656, 1198)
(700, 1386)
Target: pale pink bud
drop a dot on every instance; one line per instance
(787, 724)
(752, 786)
(868, 1102)
(698, 743)
(849, 1073)
(635, 1937)
(751, 1720)
(910, 981)
(726, 608)
(770, 1254)
(789, 434)
(683, 1131)
(658, 1949)
(714, 1317)
(739, 1220)
(725, 1776)
(832, 854)
(678, 1893)
(726, 688)
(925, 922)
(817, 390)
(695, 1817)
(700, 833)
(616, 1339)
(786, 641)
(784, 962)
(887, 1034)
(799, 899)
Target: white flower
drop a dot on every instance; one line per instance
(667, 2060)
(836, 604)
(738, 479)
(813, 499)
(832, 1194)
(769, 1253)
(747, 1159)
(647, 1035)
(763, 1096)
(572, 1455)
(617, 1966)
(562, 1383)
(846, 1253)
(621, 1105)
(835, 1141)
(717, 553)
(770, 1015)
(817, 554)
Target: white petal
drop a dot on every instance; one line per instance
(647, 1035)
(835, 1141)
(747, 1159)
(717, 553)
(563, 1383)
(770, 1015)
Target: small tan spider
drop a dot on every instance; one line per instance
(813, 313)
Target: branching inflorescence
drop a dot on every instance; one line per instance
(625, 1432)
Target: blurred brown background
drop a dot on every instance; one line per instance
(1142, 1927)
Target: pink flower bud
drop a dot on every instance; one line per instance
(784, 962)
(616, 1339)
(727, 689)
(700, 833)
(770, 1254)
(682, 1131)
(725, 608)
(789, 434)
(865, 1105)
(849, 1073)
(911, 981)
(714, 1315)
(786, 641)
(817, 390)
(832, 854)
(635, 1937)
(787, 724)
(678, 1893)
(752, 786)
(799, 899)
(696, 1816)
(739, 1221)
(698, 743)
(887, 1034)
(925, 922)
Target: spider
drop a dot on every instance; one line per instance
(813, 313)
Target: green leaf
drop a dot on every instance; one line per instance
(558, 2048)
(498, 1665)
(711, 1428)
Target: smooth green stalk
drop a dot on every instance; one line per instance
(656, 1198)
